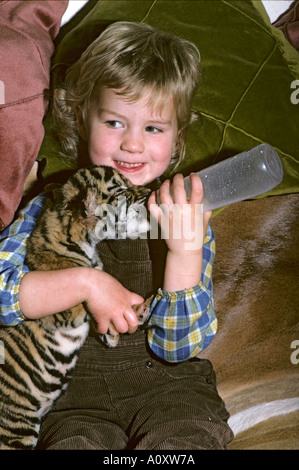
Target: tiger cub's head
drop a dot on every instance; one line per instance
(104, 203)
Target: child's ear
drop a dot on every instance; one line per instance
(80, 124)
(179, 139)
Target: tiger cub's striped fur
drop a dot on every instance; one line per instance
(40, 355)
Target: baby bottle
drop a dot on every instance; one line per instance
(243, 176)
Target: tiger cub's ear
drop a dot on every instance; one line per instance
(55, 192)
(82, 206)
(90, 202)
(88, 207)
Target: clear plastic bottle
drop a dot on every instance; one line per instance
(243, 176)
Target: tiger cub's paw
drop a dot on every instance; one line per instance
(142, 310)
(111, 338)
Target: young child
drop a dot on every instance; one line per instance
(128, 98)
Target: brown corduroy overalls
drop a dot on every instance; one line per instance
(126, 398)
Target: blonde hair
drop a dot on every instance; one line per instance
(131, 58)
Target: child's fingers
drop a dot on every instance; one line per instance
(206, 218)
(196, 189)
(152, 199)
(164, 194)
(120, 323)
(154, 208)
(179, 193)
(103, 325)
(129, 314)
(136, 299)
(131, 320)
(125, 322)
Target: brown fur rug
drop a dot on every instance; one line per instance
(256, 276)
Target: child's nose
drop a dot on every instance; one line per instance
(132, 142)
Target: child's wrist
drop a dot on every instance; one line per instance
(89, 281)
(182, 271)
(186, 263)
(182, 255)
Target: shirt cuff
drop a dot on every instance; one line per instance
(182, 323)
(11, 314)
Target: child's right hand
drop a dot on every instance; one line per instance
(109, 301)
(47, 292)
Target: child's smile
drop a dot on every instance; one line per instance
(131, 136)
(129, 167)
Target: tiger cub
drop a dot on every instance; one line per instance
(41, 354)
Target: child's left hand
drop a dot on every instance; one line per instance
(183, 226)
(181, 220)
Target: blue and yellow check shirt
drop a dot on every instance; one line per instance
(181, 323)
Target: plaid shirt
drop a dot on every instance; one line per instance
(181, 323)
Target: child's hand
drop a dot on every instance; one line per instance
(47, 292)
(182, 223)
(183, 226)
(109, 302)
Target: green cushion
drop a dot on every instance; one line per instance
(247, 71)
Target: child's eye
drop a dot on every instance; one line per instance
(153, 129)
(114, 124)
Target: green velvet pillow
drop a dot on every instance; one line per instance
(248, 68)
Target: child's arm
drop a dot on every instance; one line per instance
(25, 294)
(184, 228)
(183, 322)
(54, 291)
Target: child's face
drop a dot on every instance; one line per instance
(131, 137)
